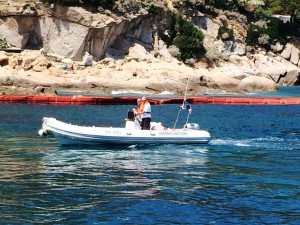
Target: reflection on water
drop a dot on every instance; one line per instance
(64, 182)
(20, 156)
(132, 171)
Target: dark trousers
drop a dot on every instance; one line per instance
(146, 123)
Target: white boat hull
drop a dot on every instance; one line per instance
(68, 134)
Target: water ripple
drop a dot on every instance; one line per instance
(248, 174)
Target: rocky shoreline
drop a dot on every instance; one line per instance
(32, 73)
(103, 53)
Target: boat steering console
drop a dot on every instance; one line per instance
(191, 126)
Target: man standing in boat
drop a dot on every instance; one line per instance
(138, 110)
(145, 112)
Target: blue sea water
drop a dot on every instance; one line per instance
(248, 174)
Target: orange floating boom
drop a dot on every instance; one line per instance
(110, 100)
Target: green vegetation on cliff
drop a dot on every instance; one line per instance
(106, 4)
(264, 30)
(267, 7)
(225, 33)
(4, 44)
(265, 33)
(189, 39)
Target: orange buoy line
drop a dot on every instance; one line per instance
(110, 100)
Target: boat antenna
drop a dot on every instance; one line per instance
(186, 88)
(184, 103)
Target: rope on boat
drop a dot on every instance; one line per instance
(184, 103)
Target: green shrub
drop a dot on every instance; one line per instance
(225, 33)
(154, 10)
(223, 4)
(253, 34)
(189, 39)
(106, 4)
(4, 44)
(274, 30)
(293, 28)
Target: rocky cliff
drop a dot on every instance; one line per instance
(73, 47)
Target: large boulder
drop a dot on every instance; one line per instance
(26, 58)
(255, 83)
(287, 51)
(87, 59)
(139, 53)
(56, 72)
(221, 80)
(6, 77)
(291, 77)
(269, 66)
(295, 55)
(40, 64)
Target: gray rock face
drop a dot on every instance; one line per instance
(61, 37)
(281, 71)
(291, 77)
(70, 32)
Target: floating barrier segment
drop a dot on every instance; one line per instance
(110, 100)
(244, 101)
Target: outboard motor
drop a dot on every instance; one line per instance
(130, 115)
(191, 126)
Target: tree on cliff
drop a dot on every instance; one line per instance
(106, 4)
(189, 39)
(283, 7)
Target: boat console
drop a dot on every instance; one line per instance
(191, 126)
